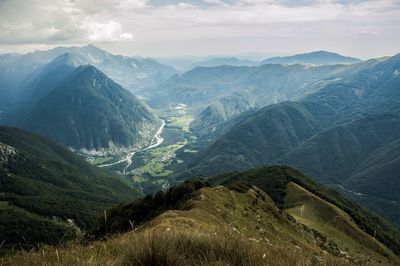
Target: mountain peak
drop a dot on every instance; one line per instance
(69, 59)
(93, 50)
(88, 70)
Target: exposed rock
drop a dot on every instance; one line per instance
(7, 153)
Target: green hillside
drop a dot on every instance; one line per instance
(259, 138)
(42, 185)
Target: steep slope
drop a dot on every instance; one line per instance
(369, 87)
(42, 185)
(259, 138)
(87, 111)
(313, 58)
(334, 155)
(50, 76)
(318, 207)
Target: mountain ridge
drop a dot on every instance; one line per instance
(314, 58)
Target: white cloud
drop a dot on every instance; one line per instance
(163, 22)
(59, 21)
(105, 32)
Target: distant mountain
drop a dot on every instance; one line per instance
(220, 61)
(268, 83)
(43, 185)
(369, 87)
(18, 70)
(313, 58)
(87, 111)
(50, 76)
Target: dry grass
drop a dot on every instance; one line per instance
(173, 247)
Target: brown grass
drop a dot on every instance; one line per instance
(173, 247)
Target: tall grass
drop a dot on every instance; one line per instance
(174, 247)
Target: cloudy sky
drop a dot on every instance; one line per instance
(203, 27)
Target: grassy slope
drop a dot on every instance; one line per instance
(274, 180)
(215, 226)
(328, 219)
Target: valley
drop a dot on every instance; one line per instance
(150, 168)
(211, 147)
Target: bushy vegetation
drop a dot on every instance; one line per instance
(129, 216)
(20, 229)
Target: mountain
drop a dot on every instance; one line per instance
(220, 114)
(47, 192)
(18, 70)
(313, 58)
(359, 156)
(269, 84)
(286, 220)
(89, 112)
(50, 76)
(335, 154)
(257, 139)
(220, 61)
(344, 135)
(369, 87)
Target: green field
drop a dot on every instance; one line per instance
(150, 169)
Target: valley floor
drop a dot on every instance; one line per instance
(149, 168)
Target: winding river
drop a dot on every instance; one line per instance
(156, 141)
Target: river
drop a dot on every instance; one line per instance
(157, 140)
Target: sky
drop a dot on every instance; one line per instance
(167, 28)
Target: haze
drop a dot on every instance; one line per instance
(168, 28)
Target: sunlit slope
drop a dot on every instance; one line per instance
(328, 219)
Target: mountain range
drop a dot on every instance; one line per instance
(18, 70)
(270, 83)
(312, 58)
(343, 134)
(336, 119)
